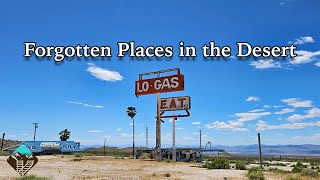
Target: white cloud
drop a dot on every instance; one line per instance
(257, 110)
(237, 125)
(253, 98)
(297, 102)
(307, 139)
(94, 131)
(136, 124)
(104, 74)
(285, 111)
(304, 57)
(262, 125)
(317, 64)
(84, 104)
(311, 113)
(302, 40)
(224, 126)
(267, 106)
(180, 128)
(196, 123)
(265, 64)
(250, 116)
(119, 129)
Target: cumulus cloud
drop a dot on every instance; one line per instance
(237, 125)
(257, 110)
(297, 102)
(94, 131)
(304, 57)
(302, 40)
(253, 98)
(265, 64)
(262, 125)
(104, 74)
(85, 104)
(307, 139)
(311, 113)
(224, 126)
(196, 123)
(317, 64)
(250, 116)
(285, 111)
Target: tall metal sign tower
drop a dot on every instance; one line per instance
(162, 84)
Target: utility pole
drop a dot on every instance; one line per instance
(2, 140)
(260, 153)
(200, 147)
(147, 137)
(174, 153)
(104, 147)
(35, 130)
(200, 139)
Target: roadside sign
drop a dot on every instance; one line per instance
(159, 85)
(175, 103)
(22, 160)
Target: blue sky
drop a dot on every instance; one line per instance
(232, 100)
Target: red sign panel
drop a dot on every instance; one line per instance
(160, 85)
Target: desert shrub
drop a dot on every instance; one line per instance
(255, 173)
(144, 156)
(4, 153)
(297, 169)
(77, 155)
(77, 159)
(293, 178)
(240, 165)
(310, 173)
(314, 164)
(278, 171)
(167, 175)
(301, 165)
(279, 164)
(218, 164)
(32, 177)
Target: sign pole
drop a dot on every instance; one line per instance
(174, 155)
(158, 129)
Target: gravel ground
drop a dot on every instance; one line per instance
(93, 167)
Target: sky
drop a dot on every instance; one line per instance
(232, 99)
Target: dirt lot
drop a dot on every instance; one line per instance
(93, 167)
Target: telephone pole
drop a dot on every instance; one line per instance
(260, 153)
(104, 147)
(35, 131)
(2, 140)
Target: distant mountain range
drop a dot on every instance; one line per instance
(297, 150)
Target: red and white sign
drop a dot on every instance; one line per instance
(175, 103)
(160, 85)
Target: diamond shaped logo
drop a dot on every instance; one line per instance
(22, 160)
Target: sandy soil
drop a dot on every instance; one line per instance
(91, 167)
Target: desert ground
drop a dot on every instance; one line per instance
(98, 167)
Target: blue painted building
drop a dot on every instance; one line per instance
(52, 147)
